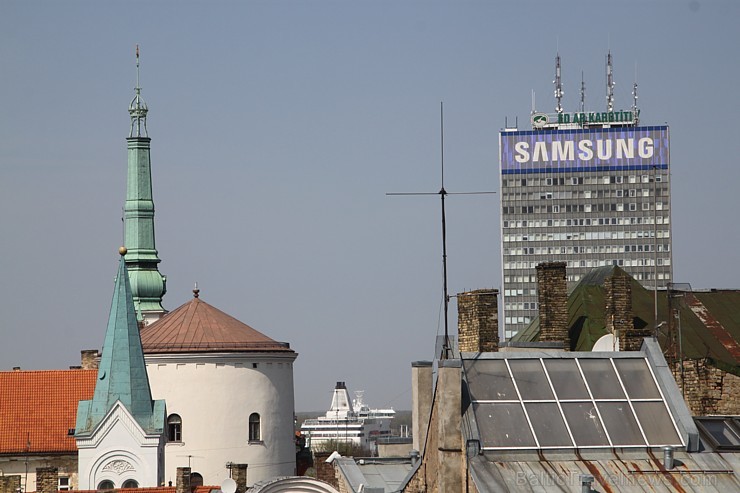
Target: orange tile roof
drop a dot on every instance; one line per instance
(39, 407)
(197, 326)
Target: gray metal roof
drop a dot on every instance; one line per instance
(374, 474)
(693, 472)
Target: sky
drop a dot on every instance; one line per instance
(278, 128)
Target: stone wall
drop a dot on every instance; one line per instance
(552, 297)
(707, 389)
(477, 320)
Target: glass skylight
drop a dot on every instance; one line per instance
(568, 402)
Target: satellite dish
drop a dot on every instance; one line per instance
(228, 485)
(606, 343)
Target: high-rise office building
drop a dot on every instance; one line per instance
(586, 188)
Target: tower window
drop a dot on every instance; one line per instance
(174, 428)
(106, 485)
(254, 428)
(130, 483)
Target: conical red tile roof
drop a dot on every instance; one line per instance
(198, 327)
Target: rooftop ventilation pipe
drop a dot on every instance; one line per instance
(668, 458)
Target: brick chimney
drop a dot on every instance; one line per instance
(182, 484)
(239, 475)
(477, 321)
(325, 470)
(552, 297)
(618, 313)
(47, 479)
(10, 484)
(89, 359)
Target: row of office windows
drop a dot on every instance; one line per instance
(588, 235)
(174, 428)
(584, 221)
(521, 292)
(515, 320)
(571, 278)
(621, 262)
(583, 194)
(527, 305)
(604, 249)
(587, 208)
(552, 181)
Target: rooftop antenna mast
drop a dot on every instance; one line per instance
(635, 111)
(558, 86)
(446, 347)
(583, 93)
(609, 83)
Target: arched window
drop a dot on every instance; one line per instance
(130, 483)
(196, 479)
(254, 428)
(174, 428)
(106, 485)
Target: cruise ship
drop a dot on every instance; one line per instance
(350, 422)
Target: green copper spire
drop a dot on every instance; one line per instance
(122, 372)
(148, 286)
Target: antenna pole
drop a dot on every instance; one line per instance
(609, 83)
(442, 193)
(558, 86)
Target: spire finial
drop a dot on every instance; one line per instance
(138, 109)
(196, 291)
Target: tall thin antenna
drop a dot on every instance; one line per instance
(609, 83)
(583, 93)
(635, 112)
(533, 105)
(446, 347)
(558, 86)
(442, 193)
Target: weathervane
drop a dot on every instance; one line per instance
(446, 349)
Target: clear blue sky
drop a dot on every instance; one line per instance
(277, 129)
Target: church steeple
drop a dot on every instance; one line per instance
(148, 286)
(122, 372)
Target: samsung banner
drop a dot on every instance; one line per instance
(624, 148)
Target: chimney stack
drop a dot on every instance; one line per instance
(47, 479)
(552, 297)
(182, 484)
(89, 359)
(619, 315)
(477, 321)
(421, 402)
(239, 475)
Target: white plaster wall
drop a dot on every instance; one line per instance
(214, 394)
(118, 438)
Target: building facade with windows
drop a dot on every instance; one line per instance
(588, 189)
